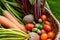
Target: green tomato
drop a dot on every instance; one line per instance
(38, 26)
(38, 31)
(40, 21)
(34, 29)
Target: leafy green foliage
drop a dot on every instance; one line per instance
(55, 7)
(31, 2)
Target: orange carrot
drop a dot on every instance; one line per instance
(7, 23)
(10, 17)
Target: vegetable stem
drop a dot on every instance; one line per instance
(12, 11)
(44, 2)
(25, 7)
(12, 3)
(1, 9)
(37, 10)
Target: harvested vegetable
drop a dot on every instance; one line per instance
(49, 39)
(51, 35)
(31, 2)
(44, 17)
(35, 20)
(25, 7)
(37, 10)
(44, 36)
(12, 34)
(12, 3)
(29, 26)
(43, 31)
(34, 30)
(40, 21)
(19, 4)
(13, 12)
(38, 26)
(7, 23)
(34, 36)
(28, 19)
(47, 22)
(23, 4)
(11, 18)
(38, 31)
(47, 27)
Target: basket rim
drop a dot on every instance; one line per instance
(57, 36)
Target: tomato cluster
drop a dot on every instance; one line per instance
(43, 28)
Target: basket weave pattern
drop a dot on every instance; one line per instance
(54, 21)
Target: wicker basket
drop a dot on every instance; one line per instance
(54, 21)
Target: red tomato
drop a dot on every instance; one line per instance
(29, 26)
(47, 22)
(49, 39)
(43, 31)
(47, 28)
(44, 17)
(51, 35)
(44, 36)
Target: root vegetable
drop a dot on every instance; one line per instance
(7, 23)
(11, 18)
(34, 36)
(28, 19)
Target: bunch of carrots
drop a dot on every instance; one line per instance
(10, 18)
(8, 21)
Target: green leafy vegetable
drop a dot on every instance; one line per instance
(31, 2)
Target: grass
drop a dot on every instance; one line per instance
(55, 8)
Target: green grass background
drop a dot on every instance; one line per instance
(55, 8)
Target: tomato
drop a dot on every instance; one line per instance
(49, 39)
(44, 36)
(47, 27)
(44, 17)
(47, 22)
(29, 26)
(43, 31)
(51, 35)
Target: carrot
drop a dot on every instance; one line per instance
(7, 23)
(11, 18)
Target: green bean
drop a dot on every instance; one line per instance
(12, 39)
